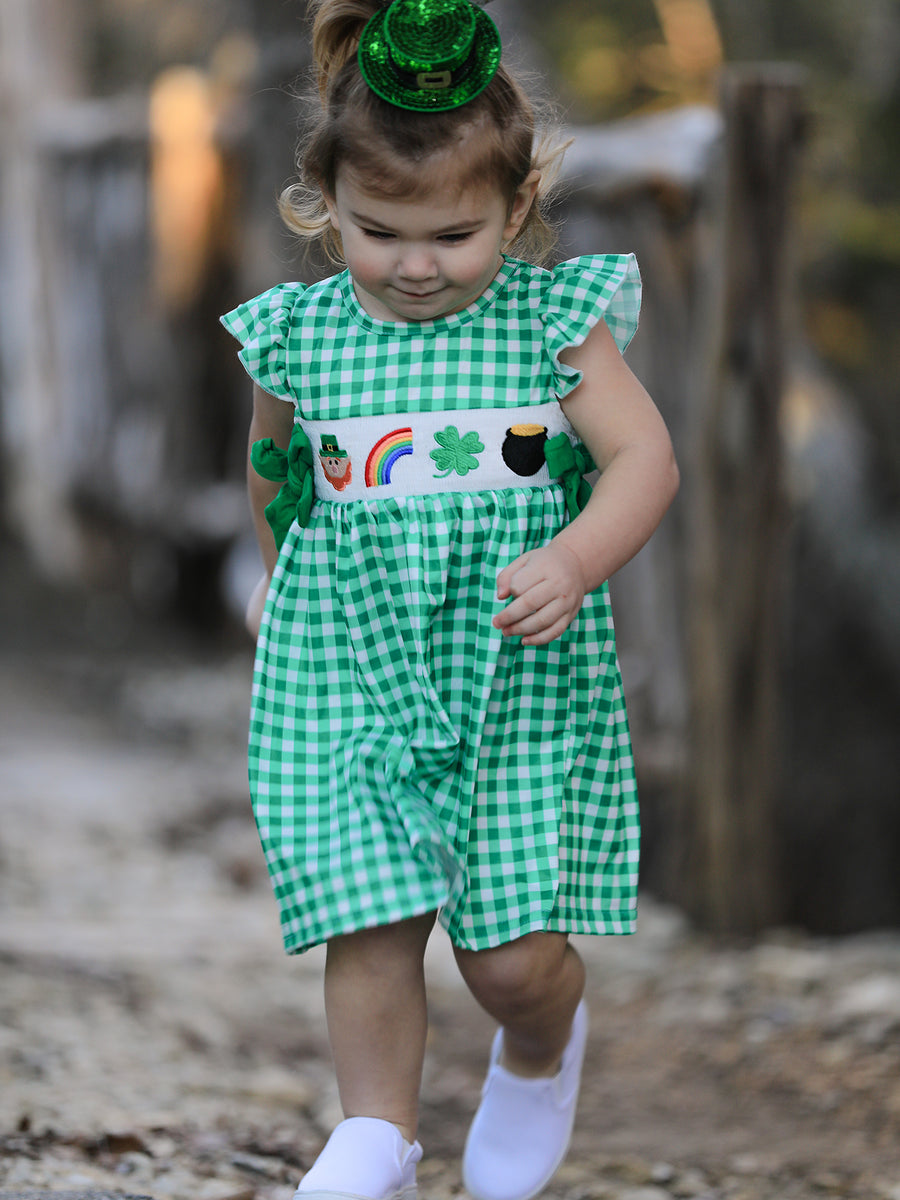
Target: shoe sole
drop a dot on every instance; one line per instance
(409, 1193)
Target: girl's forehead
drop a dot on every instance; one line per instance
(434, 191)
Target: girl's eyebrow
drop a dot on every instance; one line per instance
(367, 222)
(459, 226)
(363, 220)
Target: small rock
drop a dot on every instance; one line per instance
(255, 1164)
(216, 1190)
(745, 1164)
(160, 1122)
(80, 1194)
(644, 1193)
(139, 1167)
(278, 1086)
(877, 996)
(690, 1185)
(632, 1170)
(572, 1173)
(162, 1146)
(690, 1009)
(124, 1142)
(86, 1180)
(828, 1181)
(796, 967)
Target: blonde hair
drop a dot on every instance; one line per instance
(387, 145)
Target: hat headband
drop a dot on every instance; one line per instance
(429, 55)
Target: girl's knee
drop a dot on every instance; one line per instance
(517, 975)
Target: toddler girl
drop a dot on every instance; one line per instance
(438, 727)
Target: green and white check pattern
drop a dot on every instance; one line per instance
(404, 756)
(318, 347)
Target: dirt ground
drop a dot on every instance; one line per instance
(155, 1040)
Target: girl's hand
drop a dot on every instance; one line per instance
(256, 604)
(548, 586)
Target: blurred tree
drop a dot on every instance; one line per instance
(850, 203)
(41, 67)
(624, 56)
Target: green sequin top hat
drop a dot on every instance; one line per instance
(429, 55)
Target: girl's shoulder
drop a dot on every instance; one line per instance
(264, 324)
(576, 295)
(585, 288)
(278, 306)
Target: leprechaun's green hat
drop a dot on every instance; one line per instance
(330, 447)
(429, 55)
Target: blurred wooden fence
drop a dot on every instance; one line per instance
(705, 199)
(124, 419)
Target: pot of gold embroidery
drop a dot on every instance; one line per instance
(523, 449)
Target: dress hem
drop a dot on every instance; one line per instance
(622, 923)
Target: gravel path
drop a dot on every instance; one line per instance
(154, 1040)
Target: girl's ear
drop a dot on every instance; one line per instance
(522, 202)
(332, 211)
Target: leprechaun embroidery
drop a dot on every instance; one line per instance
(335, 462)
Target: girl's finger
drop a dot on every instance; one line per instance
(543, 636)
(505, 578)
(519, 609)
(521, 622)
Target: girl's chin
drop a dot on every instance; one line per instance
(392, 303)
(397, 303)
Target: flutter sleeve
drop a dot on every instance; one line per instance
(262, 325)
(579, 293)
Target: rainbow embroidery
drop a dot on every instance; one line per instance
(385, 453)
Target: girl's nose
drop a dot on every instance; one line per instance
(417, 262)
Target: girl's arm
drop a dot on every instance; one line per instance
(272, 418)
(628, 440)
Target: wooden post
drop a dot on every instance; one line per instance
(38, 66)
(728, 871)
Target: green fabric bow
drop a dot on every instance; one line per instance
(570, 464)
(294, 468)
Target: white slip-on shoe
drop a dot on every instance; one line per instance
(364, 1159)
(523, 1127)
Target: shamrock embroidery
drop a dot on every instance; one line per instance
(456, 453)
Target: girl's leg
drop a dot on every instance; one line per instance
(531, 987)
(520, 1134)
(377, 1020)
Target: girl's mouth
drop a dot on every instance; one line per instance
(418, 295)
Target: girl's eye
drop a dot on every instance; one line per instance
(453, 239)
(380, 235)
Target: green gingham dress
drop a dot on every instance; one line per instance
(405, 757)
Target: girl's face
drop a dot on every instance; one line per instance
(414, 260)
